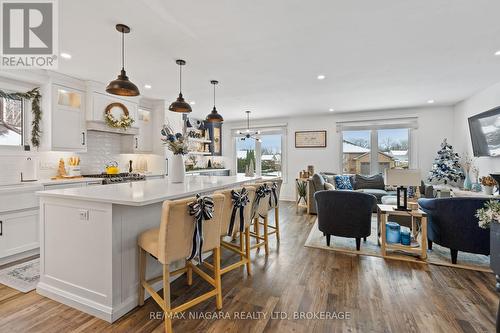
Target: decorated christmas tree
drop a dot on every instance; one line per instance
(446, 165)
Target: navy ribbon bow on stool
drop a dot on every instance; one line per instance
(273, 198)
(202, 209)
(240, 200)
(260, 193)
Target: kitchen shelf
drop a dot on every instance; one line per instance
(199, 153)
(199, 140)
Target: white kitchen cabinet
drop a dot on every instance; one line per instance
(99, 101)
(68, 128)
(18, 232)
(143, 142)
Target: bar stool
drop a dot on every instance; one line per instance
(260, 209)
(179, 238)
(274, 197)
(236, 220)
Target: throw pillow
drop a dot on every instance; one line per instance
(343, 183)
(318, 182)
(329, 186)
(375, 182)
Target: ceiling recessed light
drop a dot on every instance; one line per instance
(65, 55)
(192, 102)
(497, 53)
(431, 101)
(321, 77)
(331, 110)
(147, 86)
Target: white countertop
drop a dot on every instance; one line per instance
(149, 191)
(206, 170)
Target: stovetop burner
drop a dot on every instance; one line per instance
(118, 178)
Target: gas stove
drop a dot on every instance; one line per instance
(118, 178)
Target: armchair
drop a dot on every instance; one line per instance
(344, 214)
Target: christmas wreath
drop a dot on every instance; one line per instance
(124, 122)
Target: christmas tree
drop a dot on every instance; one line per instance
(446, 166)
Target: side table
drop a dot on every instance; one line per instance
(301, 196)
(383, 213)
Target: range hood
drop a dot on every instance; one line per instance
(100, 126)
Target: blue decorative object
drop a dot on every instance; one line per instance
(343, 182)
(405, 236)
(392, 232)
(476, 187)
(467, 182)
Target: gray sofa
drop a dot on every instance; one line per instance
(367, 184)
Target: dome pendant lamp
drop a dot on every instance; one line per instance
(180, 104)
(214, 116)
(122, 86)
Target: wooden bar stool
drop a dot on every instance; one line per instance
(260, 210)
(173, 241)
(274, 197)
(237, 203)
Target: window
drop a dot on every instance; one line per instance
(265, 156)
(371, 151)
(11, 122)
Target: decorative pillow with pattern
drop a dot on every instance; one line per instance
(343, 182)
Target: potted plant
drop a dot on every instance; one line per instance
(489, 217)
(488, 182)
(178, 145)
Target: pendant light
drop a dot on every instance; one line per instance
(122, 86)
(214, 116)
(180, 104)
(248, 134)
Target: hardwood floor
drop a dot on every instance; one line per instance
(380, 295)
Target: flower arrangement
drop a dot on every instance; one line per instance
(176, 143)
(489, 213)
(467, 163)
(124, 122)
(487, 181)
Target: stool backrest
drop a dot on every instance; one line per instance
(261, 205)
(177, 228)
(228, 210)
(270, 183)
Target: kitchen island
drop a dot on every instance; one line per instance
(88, 239)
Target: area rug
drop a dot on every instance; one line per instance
(23, 277)
(438, 255)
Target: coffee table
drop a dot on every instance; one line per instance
(417, 216)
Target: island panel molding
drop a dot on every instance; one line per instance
(310, 139)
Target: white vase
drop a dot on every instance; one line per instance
(178, 171)
(488, 190)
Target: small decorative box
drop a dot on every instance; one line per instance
(393, 232)
(405, 236)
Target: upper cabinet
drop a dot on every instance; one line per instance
(143, 142)
(68, 129)
(215, 135)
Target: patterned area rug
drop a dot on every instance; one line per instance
(438, 256)
(23, 277)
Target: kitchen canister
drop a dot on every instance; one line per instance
(392, 232)
(405, 236)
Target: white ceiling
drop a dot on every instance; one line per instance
(267, 54)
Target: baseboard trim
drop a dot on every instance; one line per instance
(19, 256)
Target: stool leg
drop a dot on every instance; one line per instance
(242, 246)
(266, 236)
(166, 299)
(256, 227)
(218, 287)
(277, 222)
(189, 273)
(247, 249)
(142, 274)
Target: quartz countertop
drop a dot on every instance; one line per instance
(149, 191)
(207, 170)
(38, 184)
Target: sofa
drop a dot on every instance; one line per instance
(452, 223)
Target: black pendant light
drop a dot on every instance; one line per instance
(249, 134)
(214, 116)
(122, 86)
(180, 104)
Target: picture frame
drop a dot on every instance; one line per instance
(310, 139)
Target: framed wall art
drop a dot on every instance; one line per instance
(310, 139)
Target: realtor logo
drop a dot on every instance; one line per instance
(29, 34)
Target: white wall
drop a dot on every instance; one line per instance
(435, 124)
(480, 102)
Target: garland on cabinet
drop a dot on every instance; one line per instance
(34, 96)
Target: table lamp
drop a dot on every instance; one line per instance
(402, 178)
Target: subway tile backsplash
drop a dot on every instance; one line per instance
(102, 148)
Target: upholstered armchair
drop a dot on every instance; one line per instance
(344, 214)
(452, 223)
